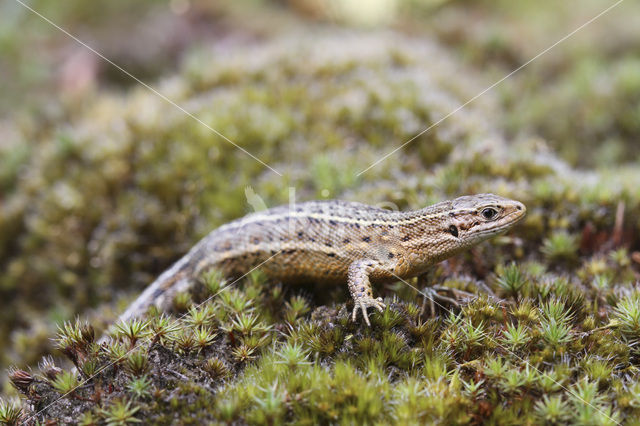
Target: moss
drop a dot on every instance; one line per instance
(129, 184)
(486, 361)
(107, 199)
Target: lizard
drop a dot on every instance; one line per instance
(336, 241)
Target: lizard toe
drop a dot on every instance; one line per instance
(363, 304)
(363, 307)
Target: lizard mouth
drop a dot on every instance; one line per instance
(517, 212)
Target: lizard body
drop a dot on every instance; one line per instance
(337, 241)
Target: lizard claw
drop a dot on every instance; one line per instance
(363, 304)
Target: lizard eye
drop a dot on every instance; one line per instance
(453, 230)
(489, 213)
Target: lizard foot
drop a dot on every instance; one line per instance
(433, 297)
(363, 303)
(454, 292)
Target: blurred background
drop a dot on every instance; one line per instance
(103, 184)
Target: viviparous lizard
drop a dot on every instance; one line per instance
(336, 242)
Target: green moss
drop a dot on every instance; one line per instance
(10, 413)
(560, 246)
(106, 198)
(483, 361)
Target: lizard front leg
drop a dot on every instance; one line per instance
(360, 288)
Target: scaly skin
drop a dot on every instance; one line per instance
(336, 242)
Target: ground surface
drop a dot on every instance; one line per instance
(105, 186)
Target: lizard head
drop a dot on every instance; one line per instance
(475, 218)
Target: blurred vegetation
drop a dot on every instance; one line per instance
(582, 96)
(103, 185)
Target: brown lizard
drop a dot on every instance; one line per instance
(336, 242)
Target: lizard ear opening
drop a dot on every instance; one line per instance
(453, 230)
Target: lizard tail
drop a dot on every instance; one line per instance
(161, 292)
(179, 277)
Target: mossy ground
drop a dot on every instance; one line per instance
(103, 191)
